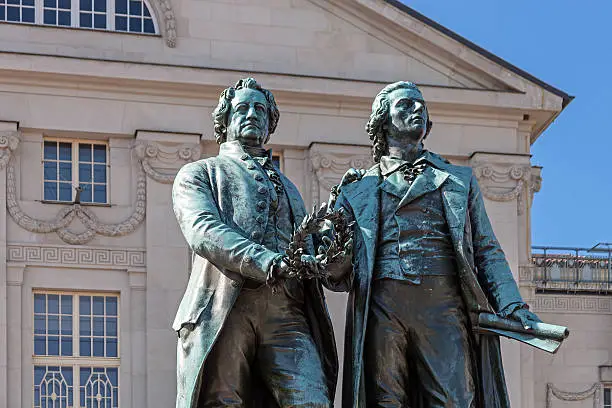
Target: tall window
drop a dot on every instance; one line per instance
(76, 350)
(70, 166)
(607, 396)
(132, 16)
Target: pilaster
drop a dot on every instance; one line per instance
(161, 154)
(14, 299)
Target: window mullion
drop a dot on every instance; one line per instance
(110, 13)
(38, 12)
(74, 13)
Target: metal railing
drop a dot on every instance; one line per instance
(573, 269)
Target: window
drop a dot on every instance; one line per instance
(132, 16)
(76, 350)
(607, 396)
(71, 164)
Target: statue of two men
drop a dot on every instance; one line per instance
(425, 262)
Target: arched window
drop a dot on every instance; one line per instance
(133, 16)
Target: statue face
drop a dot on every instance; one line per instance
(248, 118)
(408, 117)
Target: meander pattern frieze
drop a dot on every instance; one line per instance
(143, 152)
(593, 392)
(74, 255)
(572, 304)
(494, 181)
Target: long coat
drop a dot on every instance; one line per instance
(221, 213)
(485, 277)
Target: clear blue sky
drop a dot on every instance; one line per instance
(568, 45)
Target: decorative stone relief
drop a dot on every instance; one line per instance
(9, 140)
(154, 154)
(594, 392)
(493, 177)
(144, 152)
(70, 255)
(165, 15)
(328, 169)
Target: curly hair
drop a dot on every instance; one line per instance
(379, 116)
(221, 113)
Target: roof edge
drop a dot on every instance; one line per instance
(487, 54)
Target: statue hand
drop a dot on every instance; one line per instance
(341, 264)
(526, 317)
(352, 175)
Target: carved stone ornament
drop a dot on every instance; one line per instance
(494, 181)
(594, 392)
(153, 154)
(93, 226)
(165, 15)
(329, 168)
(9, 140)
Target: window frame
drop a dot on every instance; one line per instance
(75, 18)
(75, 169)
(606, 387)
(76, 362)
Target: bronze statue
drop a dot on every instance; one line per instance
(243, 343)
(426, 264)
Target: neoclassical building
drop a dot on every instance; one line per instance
(101, 101)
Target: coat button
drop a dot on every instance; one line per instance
(261, 190)
(251, 166)
(261, 205)
(235, 284)
(260, 219)
(256, 235)
(244, 157)
(258, 177)
(247, 259)
(258, 248)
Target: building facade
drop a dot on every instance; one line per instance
(101, 101)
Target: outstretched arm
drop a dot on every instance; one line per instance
(208, 236)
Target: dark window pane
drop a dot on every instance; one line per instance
(99, 153)
(121, 6)
(39, 346)
(17, 2)
(53, 303)
(66, 325)
(149, 27)
(2, 13)
(111, 326)
(86, 193)
(29, 3)
(111, 306)
(111, 348)
(121, 23)
(65, 171)
(135, 8)
(63, 18)
(66, 346)
(50, 191)
(40, 325)
(27, 15)
(146, 10)
(50, 150)
(64, 4)
(85, 326)
(85, 5)
(39, 373)
(85, 152)
(65, 151)
(66, 301)
(65, 192)
(135, 25)
(607, 396)
(112, 374)
(85, 20)
(49, 17)
(100, 173)
(40, 303)
(100, 5)
(50, 172)
(12, 14)
(85, 347)
(98, 347)
(84, 173)
(53, 324)
(85, 373)
(98, 326)
(50, 3)
(53, 344)
(100, 21)
(85, 305)
(99, 194)
(98, 305)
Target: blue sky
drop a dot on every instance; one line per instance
(566, 44)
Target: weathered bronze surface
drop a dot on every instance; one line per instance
(426, 263)
(241, 344)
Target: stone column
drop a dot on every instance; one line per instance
(161, 155)
(507, 182)
(328, 163)
(8, 143)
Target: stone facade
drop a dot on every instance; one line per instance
(149, 98)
